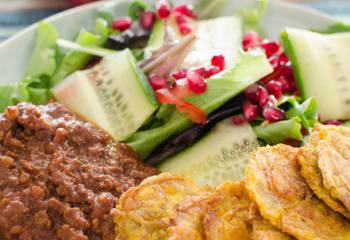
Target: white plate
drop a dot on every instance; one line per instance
(15, 51)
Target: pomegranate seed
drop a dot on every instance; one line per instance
(251, 40)
(333, 122)
(238, 120)
(218, 61)
(203, 72)
(285, 84)
(275, 62)
(256, 94)
(262, 95)
(163, 9)
(271, 101)
(272, 114)
(185, 28)
(213, 71)
(196, 83)
(122, 24)
(304, 131)
(271, 48)
(180, 18)
(292, 142)
(147, 19)
(274, 88)
(185, 10)
(283, 59)
(157, 82)
(251, 93)
(179, 75)
(250, 111)
(287, 71)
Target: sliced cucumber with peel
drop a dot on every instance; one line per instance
(222, 155)
(322, 68)
(115, 95)
(217, 36)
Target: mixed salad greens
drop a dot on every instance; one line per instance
(166, 78)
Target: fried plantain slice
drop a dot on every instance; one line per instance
(237, 217)
(188, 220)
(334, 161)
(228, 214)
(144, 212)
(308, 158)
(274, 182)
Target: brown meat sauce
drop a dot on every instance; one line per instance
(60, 176)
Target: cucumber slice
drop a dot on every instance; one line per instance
(214, 37)
(220, 156)
(322, 68)
(250, 68)
(218, 36)
(115, 95)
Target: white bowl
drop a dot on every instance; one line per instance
(15, 51)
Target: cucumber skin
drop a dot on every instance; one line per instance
(145, 142)
(289, 50)
(142, 80)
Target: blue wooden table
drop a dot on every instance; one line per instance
(17, 14)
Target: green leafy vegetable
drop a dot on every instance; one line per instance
(297, 116)
(11, 94)
(136, 8)
(43, 60)
(41, 65)
(102, 30)
(138, 53)
(93, 50)
(77, 59)
(162, 116)
(277, 132)
(251, 18)
(336, 28)
(306, 112)
(347, 124)
(208, 8)
(105, 12)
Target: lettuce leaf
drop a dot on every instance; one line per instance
(298, 115)
(277, 132)
(306, 112)
(11, 94)
(76, 59)
(43, 59)
(251, 18)
(136, 7)
(41, 66)
(336, 28)
(209, 8)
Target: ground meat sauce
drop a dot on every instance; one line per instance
(60, 176)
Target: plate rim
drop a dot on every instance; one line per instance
(93, 5)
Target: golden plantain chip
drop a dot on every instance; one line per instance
(334, 161)
(308, 157)
(144, 212)
(274, 182)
